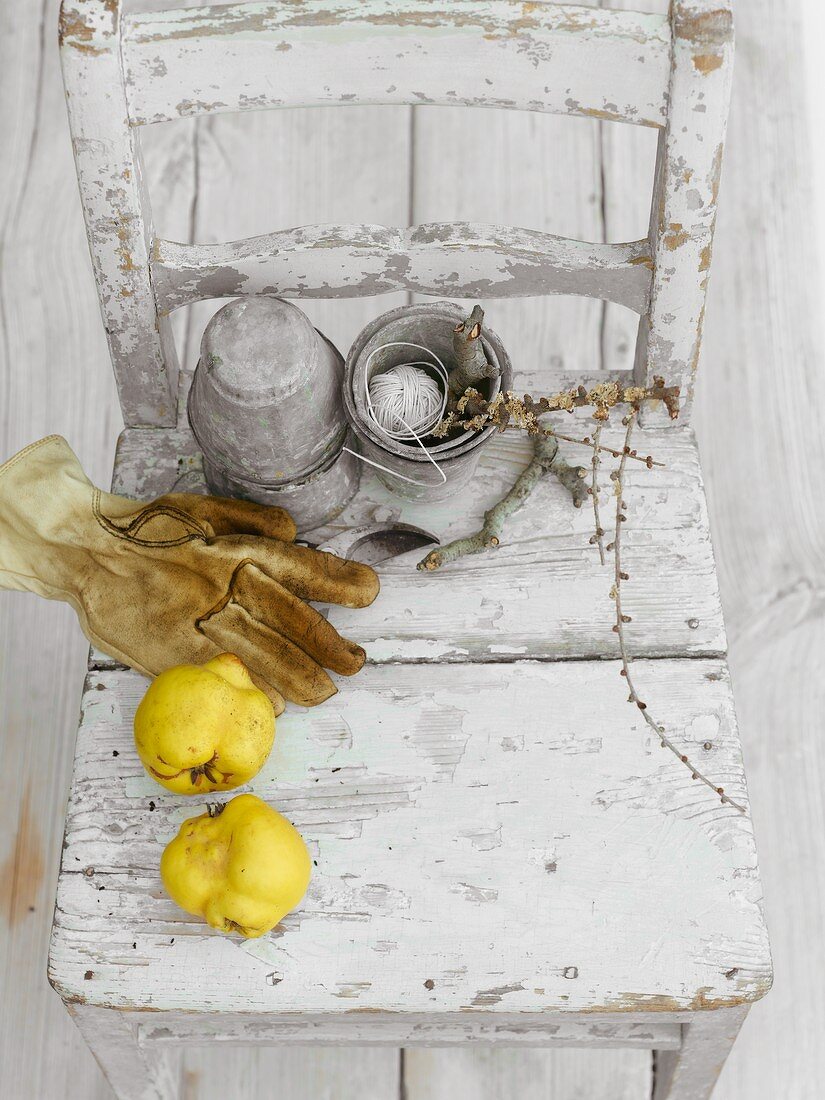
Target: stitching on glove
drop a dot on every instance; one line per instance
(126, 533)
(157, 509)
(227, 599)
(27, 451)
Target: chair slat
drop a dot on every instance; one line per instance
(602, 1030)
(456, 259)
(559, 58)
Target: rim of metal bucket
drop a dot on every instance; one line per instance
(451, 448)
(328, 459)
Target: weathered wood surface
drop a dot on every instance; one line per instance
(164, 1030)
(369, 260)
(541, 595)
(541, 57)
(118, 218)
(685, 193)
(762, 316)
(501, 1074)
(545, 337)
(291, 165)
(449, 260)
(691, 1072)
(56, 376)
(764, 343)
(597, 875)
(133, 1073)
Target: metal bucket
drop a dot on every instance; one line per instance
(431, 325)
(312, 501)
(265, 407)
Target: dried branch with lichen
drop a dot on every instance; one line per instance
(621, 619)
(471, 364)
(473, 412)
(546, 459)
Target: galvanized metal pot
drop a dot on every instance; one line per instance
(431, 325)
(265, 407)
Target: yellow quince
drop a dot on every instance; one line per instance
(241, 867)
(202, 728)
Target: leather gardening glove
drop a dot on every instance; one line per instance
(180, 579)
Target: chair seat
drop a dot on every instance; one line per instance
(498, 837)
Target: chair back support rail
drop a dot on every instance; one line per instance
(122, 72)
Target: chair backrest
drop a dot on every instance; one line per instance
(122, 72)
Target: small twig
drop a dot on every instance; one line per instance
(648, 460)
(545, 459)
(621, 619)
(598, 538)
(471, 364)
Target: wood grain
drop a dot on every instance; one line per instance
(456, 176)
(455, 259)
(542, 594)
(569, 59)
(117, 212)
(760, 331)
(764, 342)
(527, 1074)
(295, 167)
(55, 375)
(685, 193)
(632, 890)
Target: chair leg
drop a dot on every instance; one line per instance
(691, 1072)
(133, 1072)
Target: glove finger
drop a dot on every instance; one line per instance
(235, 517)
(270, 603)
(311, 574)
(275, 660)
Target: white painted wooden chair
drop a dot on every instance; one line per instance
(503, 853)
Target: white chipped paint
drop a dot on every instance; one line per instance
(458, 260)
(569, 59)
(542, 594)
(556, 58)
(116, 209)
(432, 845)
(688, 172)
(413, 1030)
(354, 804)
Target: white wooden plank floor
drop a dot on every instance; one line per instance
(763, 384)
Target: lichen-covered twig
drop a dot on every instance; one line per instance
(471, 364)
(545, 459)
(472, 412)
(598, 537)
(621, 619)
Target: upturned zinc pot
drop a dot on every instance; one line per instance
(265, 407)
(429, 324)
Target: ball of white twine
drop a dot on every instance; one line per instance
(405, 401)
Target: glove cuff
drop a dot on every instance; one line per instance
(21, 456)
(45, 500)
